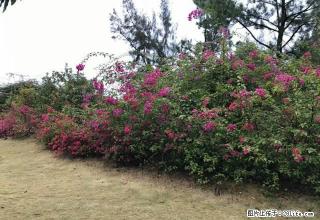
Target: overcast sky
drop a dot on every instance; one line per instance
(38, 36)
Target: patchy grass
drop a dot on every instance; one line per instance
(36, 185)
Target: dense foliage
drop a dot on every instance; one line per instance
(243, 117)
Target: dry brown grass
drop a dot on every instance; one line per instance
(36, 185)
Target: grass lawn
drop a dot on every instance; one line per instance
(34, 184)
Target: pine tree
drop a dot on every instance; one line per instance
(286, 20)
(150, 40)
(5, 3)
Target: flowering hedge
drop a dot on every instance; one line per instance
(219, 117)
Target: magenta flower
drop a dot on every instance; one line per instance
(285, 79)
(170, 134)
(248, 127)
(45, 117)
(260, 92)
(268, 76)
(119, 67)
(237, 64)
(318, 72)
(253, 54)
(195, 14)
(251, 66)
(233, 106)
(207, 54)
(246, 150)
(117, 112)
(296, 153)
(306, 69)
(80, 67)
(164, 92)
(165, 108)
(151, 79)
(111, 100)
(209, 126)
(231, 127)
(206, 101)
(301, 82)
(127, 129)
(24, 109)
(98, 86)
(148, 107)
(244, 93)
(87, 98)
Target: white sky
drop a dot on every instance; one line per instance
(39, 36)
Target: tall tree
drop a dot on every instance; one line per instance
(149, 39)
(5, 3)
(285, 20)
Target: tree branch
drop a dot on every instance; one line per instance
(252, 35)
(292, 36)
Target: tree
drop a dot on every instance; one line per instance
(5, 3)
(151, 41)
(285, 20)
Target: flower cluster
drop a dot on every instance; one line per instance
(195, 14)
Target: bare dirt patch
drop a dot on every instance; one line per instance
(34, 184)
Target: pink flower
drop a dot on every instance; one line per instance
(111, 100)
(318, 72)
(251, 66)
(246, 150)
(253, 54)
(87, 98)
(165, 108)
(270, 60)
(195, 14)
(205, 102)
(307, 55)
(237, 64)
(24, 109)
(301, 82)
(119, 67)
(268, 76)
(127, 129)
(207, 54)
(229, 81)
(306, 69)
(148, 107)
(117, 112)
(245, 78)
(248, 127)
(244, 93)
(98, 86)
(285, 79)
(260, 92)
(209, 126)
(45, 117)
(170, 134)
(233, 106)
(231, 127)
(80, 67)
(164, 92)
(151, 79)
(296, 154)
(242, 139)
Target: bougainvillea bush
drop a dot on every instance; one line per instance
(246, 116)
